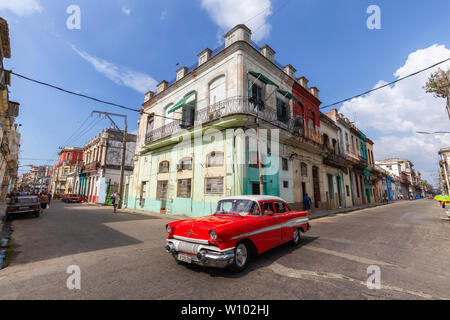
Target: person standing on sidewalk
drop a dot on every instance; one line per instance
(115, 198)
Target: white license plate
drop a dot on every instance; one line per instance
(184, 258)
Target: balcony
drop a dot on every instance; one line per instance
(225, 108)
(92, 166)
(334, 160)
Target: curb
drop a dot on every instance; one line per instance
(329, 214)
(5, 237)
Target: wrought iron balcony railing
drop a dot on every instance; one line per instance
(228, 107)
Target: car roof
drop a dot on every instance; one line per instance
(254, 198)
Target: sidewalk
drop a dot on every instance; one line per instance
(324, 213)
(312, 215)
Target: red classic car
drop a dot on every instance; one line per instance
(241, 226)
(71, 197)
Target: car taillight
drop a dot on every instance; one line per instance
(12, 208)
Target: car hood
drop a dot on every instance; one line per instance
(198, 228)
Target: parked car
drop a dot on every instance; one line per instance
(73, 198)
(19, 204)
(240, 227)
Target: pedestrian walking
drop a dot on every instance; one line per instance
(49, 196)
(115, 200)
(307, 202)
(44, 201)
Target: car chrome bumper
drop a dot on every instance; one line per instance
(207, 256)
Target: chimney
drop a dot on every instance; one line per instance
(149, 95)
(303, 82)
(290, 71)
(162, 86)
(204, 56)
(268, 52)
(314, 91)
(181, 72)
(239, 33)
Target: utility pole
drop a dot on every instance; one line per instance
(261, 182)
(124, 148)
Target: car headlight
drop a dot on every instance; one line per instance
(213, 234)
(168, 229)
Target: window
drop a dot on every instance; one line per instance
(282, 110)
(326, 141)
(285, 184)
(255, 94)
(149, 125)
(347, 145)
(304, 169)
(214, 159)
(267, 208)
(161, 190)
(284, 164)
(188, 114)
(169, 117)
(235, 206)
(184, 188)
(214, 185)
(217, 90)
(348, 190)
(164, 167)
(185, 164)
(280, 207)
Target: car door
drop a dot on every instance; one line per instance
(270, 235)
(283, 213)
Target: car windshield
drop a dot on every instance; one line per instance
(22, 199)
(237, 207)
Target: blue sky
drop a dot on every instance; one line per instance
(124, 46)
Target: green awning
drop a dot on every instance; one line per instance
(289, 95)
(180, 103)
(263, 78)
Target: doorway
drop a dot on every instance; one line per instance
(316, 186)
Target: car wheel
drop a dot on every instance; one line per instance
(37, 214)
(296, 237)
(241, 257)
(8, 217)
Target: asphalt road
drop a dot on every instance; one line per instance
(121, 257)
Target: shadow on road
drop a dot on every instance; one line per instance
(256, 262)
(65, 230)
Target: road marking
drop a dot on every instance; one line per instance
(349, 256)
(312, 275)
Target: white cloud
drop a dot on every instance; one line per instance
(21, 7)
(126, 11)
(253, 13)
(395, 113)
(123, 76)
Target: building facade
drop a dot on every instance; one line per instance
(99, 174)
(198, 136)
(69, 162)
(9, 110)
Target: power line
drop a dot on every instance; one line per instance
(387, 84)
(82, 95)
